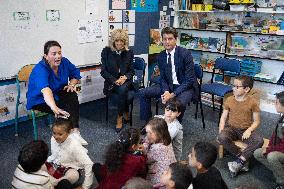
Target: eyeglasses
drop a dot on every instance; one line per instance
(237, 87)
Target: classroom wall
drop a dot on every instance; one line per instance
(144, 22)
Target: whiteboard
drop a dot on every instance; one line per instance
(21, 41)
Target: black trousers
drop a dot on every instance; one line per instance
(120, 94)
(68, 101)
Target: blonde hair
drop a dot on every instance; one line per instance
(119, 34)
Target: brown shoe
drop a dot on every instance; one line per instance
(126, 116)
(119, 122)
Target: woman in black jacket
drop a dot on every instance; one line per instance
(117, 70)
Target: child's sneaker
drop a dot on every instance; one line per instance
(234, 168)
(280, 186)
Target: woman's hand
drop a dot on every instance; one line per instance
(69, 88)
(59, 113)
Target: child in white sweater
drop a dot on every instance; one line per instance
(172, 111)
(69, 159)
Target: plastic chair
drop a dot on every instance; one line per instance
(23, 76)
(139, 66)
(224, 65)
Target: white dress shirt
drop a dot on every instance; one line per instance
(72, 154)
(174, 74)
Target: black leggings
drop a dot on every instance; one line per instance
(68, 101)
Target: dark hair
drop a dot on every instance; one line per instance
(138, 183)
(64, 123)
(181, 175)
(169, 30)
(160, 128)
(247, 81)
(174, 105)
(116, 151)
(280, 97)
(33, 155)
(205, 153)
(48, 45)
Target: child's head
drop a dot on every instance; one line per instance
(127, 141)
(61, 129)
(138, 183)
(157, 131)
(279, 104)
(172, 110)
(33, 155)
(242, 85)
(203, 155)
(178, 176)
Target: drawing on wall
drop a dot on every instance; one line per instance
(91, 7)
(113, 26)
(164, 21)
(128, 15)
(144, 5)
(52, 15)
(89, 30)
(118, 4)
(21, 20)
(21, 16)
(131, 40)
(129, 27)
(115, 16)
(156, 44)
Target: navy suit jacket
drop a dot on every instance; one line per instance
(184, 67)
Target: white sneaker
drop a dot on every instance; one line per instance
(76, 135)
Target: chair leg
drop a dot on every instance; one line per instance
(131, 111)
(106, 99)
(220, 112)
(157, 107)
(16, 119)
(34, 125)
(196, 110)
(49, 119)
(213, 103)
(221, 151)
(202, 115)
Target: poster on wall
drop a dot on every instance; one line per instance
(144, 5)
(128, 15)
(129, 27)
(89, 30)
(115, 16)
(118, 4)
(52, 15)
(113, 26)
(21, 21)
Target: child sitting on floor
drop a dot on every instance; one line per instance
(29, 173)
(178, 176)
(69, 159)
(273, 156)
(159, 150)
(138, 183)
(242, 112)
(172, 111)
(124, 160)
(203, 155)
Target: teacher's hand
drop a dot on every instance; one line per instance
(59, 113)
(69, 88)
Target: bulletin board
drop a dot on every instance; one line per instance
(80, 26)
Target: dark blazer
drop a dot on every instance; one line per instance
(114, 66)
(184, 67)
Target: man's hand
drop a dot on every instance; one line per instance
(246, 134)
(121, 80)
(167, 96)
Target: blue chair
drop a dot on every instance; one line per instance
(139, 67)
(225, 66)
(23, 76)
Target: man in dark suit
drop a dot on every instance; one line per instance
(177, 78)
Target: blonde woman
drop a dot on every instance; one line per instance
(117, 70)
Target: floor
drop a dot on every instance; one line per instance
(99, 133)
